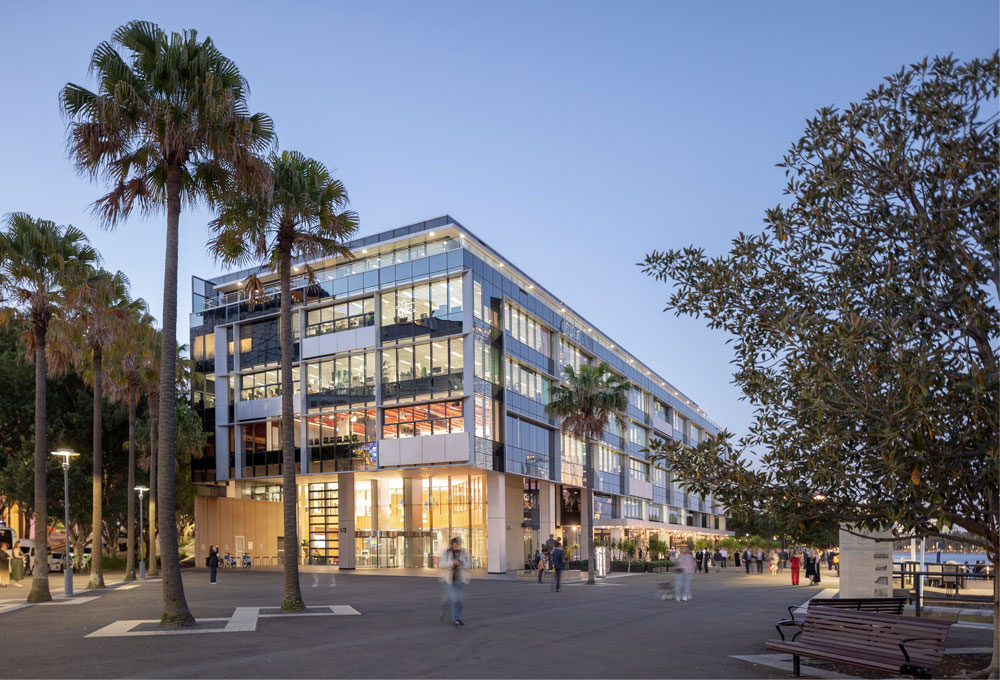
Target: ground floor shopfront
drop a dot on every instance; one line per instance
(407, 518)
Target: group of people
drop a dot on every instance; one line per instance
(551, 558)
(11, 564)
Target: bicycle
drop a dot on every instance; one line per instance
(228, 561)
(246, 561)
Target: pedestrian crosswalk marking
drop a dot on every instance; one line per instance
(243, 620)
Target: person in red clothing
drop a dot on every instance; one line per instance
(795, 562)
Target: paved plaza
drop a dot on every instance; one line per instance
(378, 625)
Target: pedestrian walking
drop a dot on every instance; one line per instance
(836, 562)
(773, 566)
(736, 559)
(829, 560)
(782, 561)
(717, 559)
(558, 563)
(16, 564)
(697, 561)
(759, 559)
(543, 559)
(810, 566)
(794, 567)
(213, 563)
(455, 565)
(816, 578)
(685, 567)
(723, 556)
(746, 560)
(550, 543)
(4, 565)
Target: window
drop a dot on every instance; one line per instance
(262, 456)
(655, 512)
(637, 399)
(341, 317)
(569, 355)
(638, 435)
(342, 440)
(434, 308)
(527, 383)
(632, 508)
(265, 384)
(603, 507)
(639, 470)
(350, 377)
(423, 371)
(660, 410)
(203, 348)
(441, 417)
(260, 344)
(573, 459)
(609, 470)
(528, 448)
(527, 330)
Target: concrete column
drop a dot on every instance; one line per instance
(413, 552)
(496, 523)
(546, 510)
(345, 502)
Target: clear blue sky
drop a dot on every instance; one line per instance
(573, 137)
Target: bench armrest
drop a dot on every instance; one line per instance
(902, 645)
(788, 622)
(791, 610)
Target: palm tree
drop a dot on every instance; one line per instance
(98, 306)
(304, 216)
(169, 124)
(586, 402)
(37, 260)
(130, 353)
(151, 380)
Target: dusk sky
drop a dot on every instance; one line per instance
(572, 137)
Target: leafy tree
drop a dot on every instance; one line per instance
(168, 124)
(98, 305)
(37, 260)
(303, 215)
(131, 353)
(585, 404)
(865, 320)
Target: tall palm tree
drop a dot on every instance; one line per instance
(151, 381)
(37, 260)
(303, 215)
(130, 353)
(168, 124)
(99, 304)
(586, 402)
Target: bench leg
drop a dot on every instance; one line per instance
(796, 667)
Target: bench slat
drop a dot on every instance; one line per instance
(868, 639)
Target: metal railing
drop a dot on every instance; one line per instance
(949, 577)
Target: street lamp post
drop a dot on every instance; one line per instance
(142, 554)
(66, 455)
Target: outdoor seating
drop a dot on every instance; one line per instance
(885, 642)
(881, 605)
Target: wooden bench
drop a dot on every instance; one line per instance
(879, 605)
(885, 642)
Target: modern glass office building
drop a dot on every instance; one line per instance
(422, 368)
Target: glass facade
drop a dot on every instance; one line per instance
(415, 288)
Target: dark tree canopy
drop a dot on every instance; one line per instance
(864, 318)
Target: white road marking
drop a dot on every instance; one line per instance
(243, 620)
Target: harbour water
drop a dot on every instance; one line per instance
(931, 557)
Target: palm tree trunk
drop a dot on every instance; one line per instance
(589, 510)
(40, 565)
(175, 608)
(97, 539)
(293, 594)
(154, 421)
(130, 554)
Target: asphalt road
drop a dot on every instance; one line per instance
(514, 629)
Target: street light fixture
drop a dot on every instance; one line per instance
(66, 456)
(142, 554)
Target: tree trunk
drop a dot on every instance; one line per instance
(40, 565)
(97, 481)
(175, 608)
(154, 421)
(589, 510)
(293, 594)
(130, 553)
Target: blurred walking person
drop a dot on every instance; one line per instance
(794, 564)
(4, 565)
(558, 559)
(213, 563)
(455, 566)
(685, 568)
